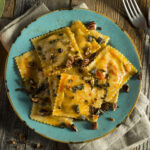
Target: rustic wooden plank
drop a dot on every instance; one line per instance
(9, 8)
(23, 5)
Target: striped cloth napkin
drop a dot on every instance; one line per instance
(133, 132)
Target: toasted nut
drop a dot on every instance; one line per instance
(105, 106)
(126, 88)
(114, 106)
(73, 127)
(85, 62)
(99, 28)
(91, 25)
(94, 126)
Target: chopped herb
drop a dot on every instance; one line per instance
(80, 70)
(86, 101)
(100, 40)
(90, 38)
(42, 87)
(39, 48)
(42, 103)
(105, 95)
(58, 76)
(60, 50)
(39, 69)
(62, 125)
(105, 106)
(54, 95)
(46, 99)
(76, 52)
(107, 76)
(102, 70)
(70, 80)
(31, 64)
(52, 56)
(53, 41)
(93, 71)
(59, 107)
(60, 34)
(92, 56)
(102, 85)
(77, 62)
(44, 112)
(77, 87)
(95, 111)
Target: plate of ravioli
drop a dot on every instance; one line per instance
(71, 81)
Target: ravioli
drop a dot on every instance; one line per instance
(86, 43)
(75, 98)
(38, 88)
(56, 50)
(111, 70)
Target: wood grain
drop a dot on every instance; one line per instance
(10, 124)
(9, 8)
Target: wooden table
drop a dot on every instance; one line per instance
(10, 124)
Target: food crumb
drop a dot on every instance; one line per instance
(111, 119)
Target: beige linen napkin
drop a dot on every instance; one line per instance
(134, 131)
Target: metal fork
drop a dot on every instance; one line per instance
(135, 15)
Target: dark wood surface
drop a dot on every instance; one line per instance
(10, 125)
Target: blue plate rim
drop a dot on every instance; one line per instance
(7, 91)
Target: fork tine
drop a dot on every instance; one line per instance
(137, 7)
(131, 11)
(133, 7)
(127, 11)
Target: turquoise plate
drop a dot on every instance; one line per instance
(21, 101)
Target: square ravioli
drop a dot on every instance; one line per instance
(111, 71)
(76, 99)
(37, 86)
(56, 50)
(86, 43)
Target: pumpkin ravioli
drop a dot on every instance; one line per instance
(75, 98)
(111, 70)
(56, 49)
(38, 88)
